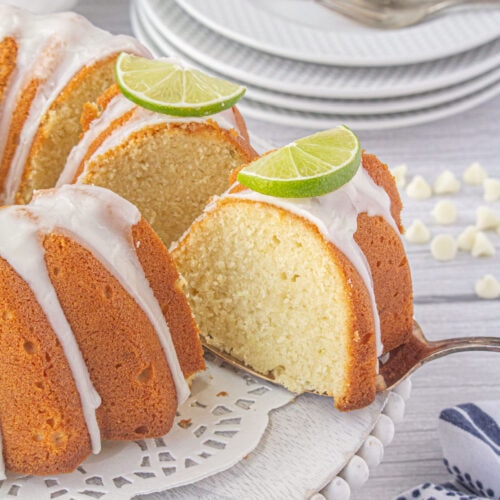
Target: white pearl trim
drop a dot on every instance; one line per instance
(371, 452)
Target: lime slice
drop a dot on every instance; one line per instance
(312, 166)
(165, 86)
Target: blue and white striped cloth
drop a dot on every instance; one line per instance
(470, 438)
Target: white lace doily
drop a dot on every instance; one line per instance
(221, 423)
(224, 426)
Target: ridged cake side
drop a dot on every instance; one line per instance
(44, 422)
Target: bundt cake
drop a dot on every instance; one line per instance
(167, 166)
(50, 65)
(307, 290)
(97, 339)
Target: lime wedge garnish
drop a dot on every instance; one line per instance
(312, 166)
(165, 86)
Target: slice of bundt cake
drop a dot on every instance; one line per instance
(49, 67)
(96, 337)
(167, 166)
(306, 290)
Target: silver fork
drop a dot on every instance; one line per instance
(393, 14)
(401, 362)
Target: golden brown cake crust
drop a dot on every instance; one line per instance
(118, 343)
(8, 57)
(381, 175)
(361, 366)
(42, 427)
(40, 410)
(391, 278)
(164, 279)
(389, 265)
(19, 116)
(92, 110)
(242, 126)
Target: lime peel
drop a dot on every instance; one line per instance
(308, 167)
(165, 86)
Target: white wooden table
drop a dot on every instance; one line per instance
(445, 304)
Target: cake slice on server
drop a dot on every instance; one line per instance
(308, 289)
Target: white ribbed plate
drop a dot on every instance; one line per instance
(161, 47)
(306, 31)
(361, 114)
(238, 62)
(282, 116)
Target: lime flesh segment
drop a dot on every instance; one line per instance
(165, 86)
(312, 166)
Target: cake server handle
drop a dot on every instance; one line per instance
(405, 359)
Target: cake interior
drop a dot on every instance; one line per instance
(197, 156)
(251, 288)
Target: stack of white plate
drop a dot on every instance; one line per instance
(304, 65)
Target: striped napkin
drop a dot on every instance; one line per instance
(470, 439)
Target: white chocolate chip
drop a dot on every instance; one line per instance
(418, 188)
(444, 212)
(474, 174)
(491, 189)
(399, 174)
(446, 183)
(486, 218)
(487, 287)
(444, 247)
(482, 246)
(466, 238)
(417, 232)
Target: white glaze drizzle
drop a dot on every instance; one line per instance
(336, 215)
(52, 48)
(21, 247)
(100, 221)
(141, 118)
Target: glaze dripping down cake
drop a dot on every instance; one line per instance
(309, 290)
(50, 66)
(97, 338)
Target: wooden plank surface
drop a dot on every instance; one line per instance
(445, 302)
